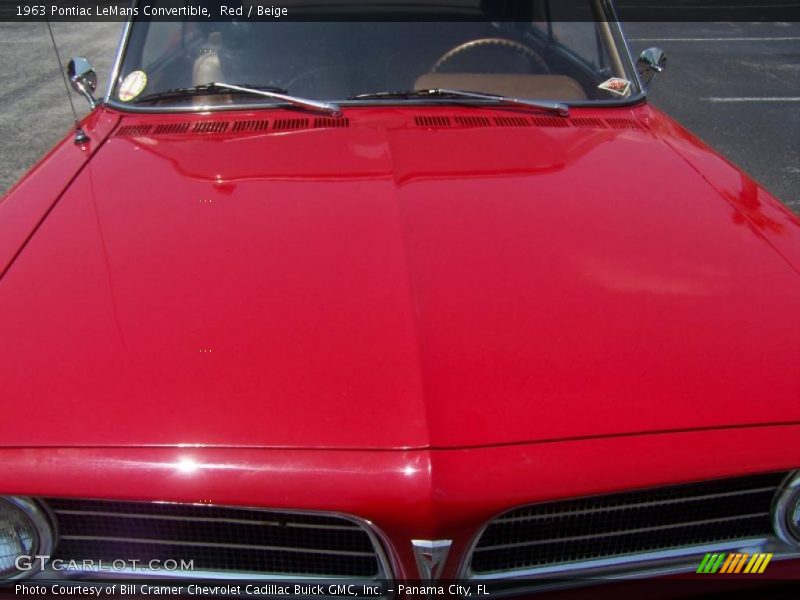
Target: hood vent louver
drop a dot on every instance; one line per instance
(171, 128)
(210, 127)
(512, 122)
(550, 121)
(290, 124)
(472, 121)
(425, 121)
(133, 130)
(442, 122)
(331, 122)
(588, 122)
(242, 126)
(431, 121)
(250, 126)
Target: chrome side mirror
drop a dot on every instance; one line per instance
(651, 62)
(83, 78)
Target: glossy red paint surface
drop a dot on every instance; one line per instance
(421, 327)
(394, 286)
(27, 203)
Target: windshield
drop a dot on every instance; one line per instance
(538, 54)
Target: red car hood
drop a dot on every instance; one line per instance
(394, 284)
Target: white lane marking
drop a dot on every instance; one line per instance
(718, 39)
(753, 99)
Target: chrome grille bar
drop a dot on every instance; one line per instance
(633, 506)
(602, 534)
(221, 541)
(203, 519)
(203, 544)
(614, 533)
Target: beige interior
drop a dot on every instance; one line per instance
(540, 87)
(207, 68)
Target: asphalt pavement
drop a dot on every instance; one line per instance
(735, 85)
(35, 111)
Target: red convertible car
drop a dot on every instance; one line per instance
(418, 294)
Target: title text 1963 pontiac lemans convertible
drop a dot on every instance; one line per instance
(430, 297)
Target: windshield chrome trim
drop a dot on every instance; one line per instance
(123, 43)
(612, 13)
(386, 103)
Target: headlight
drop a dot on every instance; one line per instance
(25, 530)
(786, 512)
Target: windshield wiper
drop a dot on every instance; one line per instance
(199, 90)
(558, 108)
(273, 93)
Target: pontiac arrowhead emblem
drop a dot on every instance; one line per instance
(431, 556)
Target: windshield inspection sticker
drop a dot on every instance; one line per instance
(132, 86)
(616, 85)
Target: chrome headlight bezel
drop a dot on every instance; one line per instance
(785, 507)
(43, 526)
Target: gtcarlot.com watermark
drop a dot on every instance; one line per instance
(120, 565)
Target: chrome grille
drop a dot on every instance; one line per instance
(251, 542)
(630, 523)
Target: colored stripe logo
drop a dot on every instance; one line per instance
(734, 563)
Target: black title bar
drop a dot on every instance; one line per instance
(732, 588)
(393, 10)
